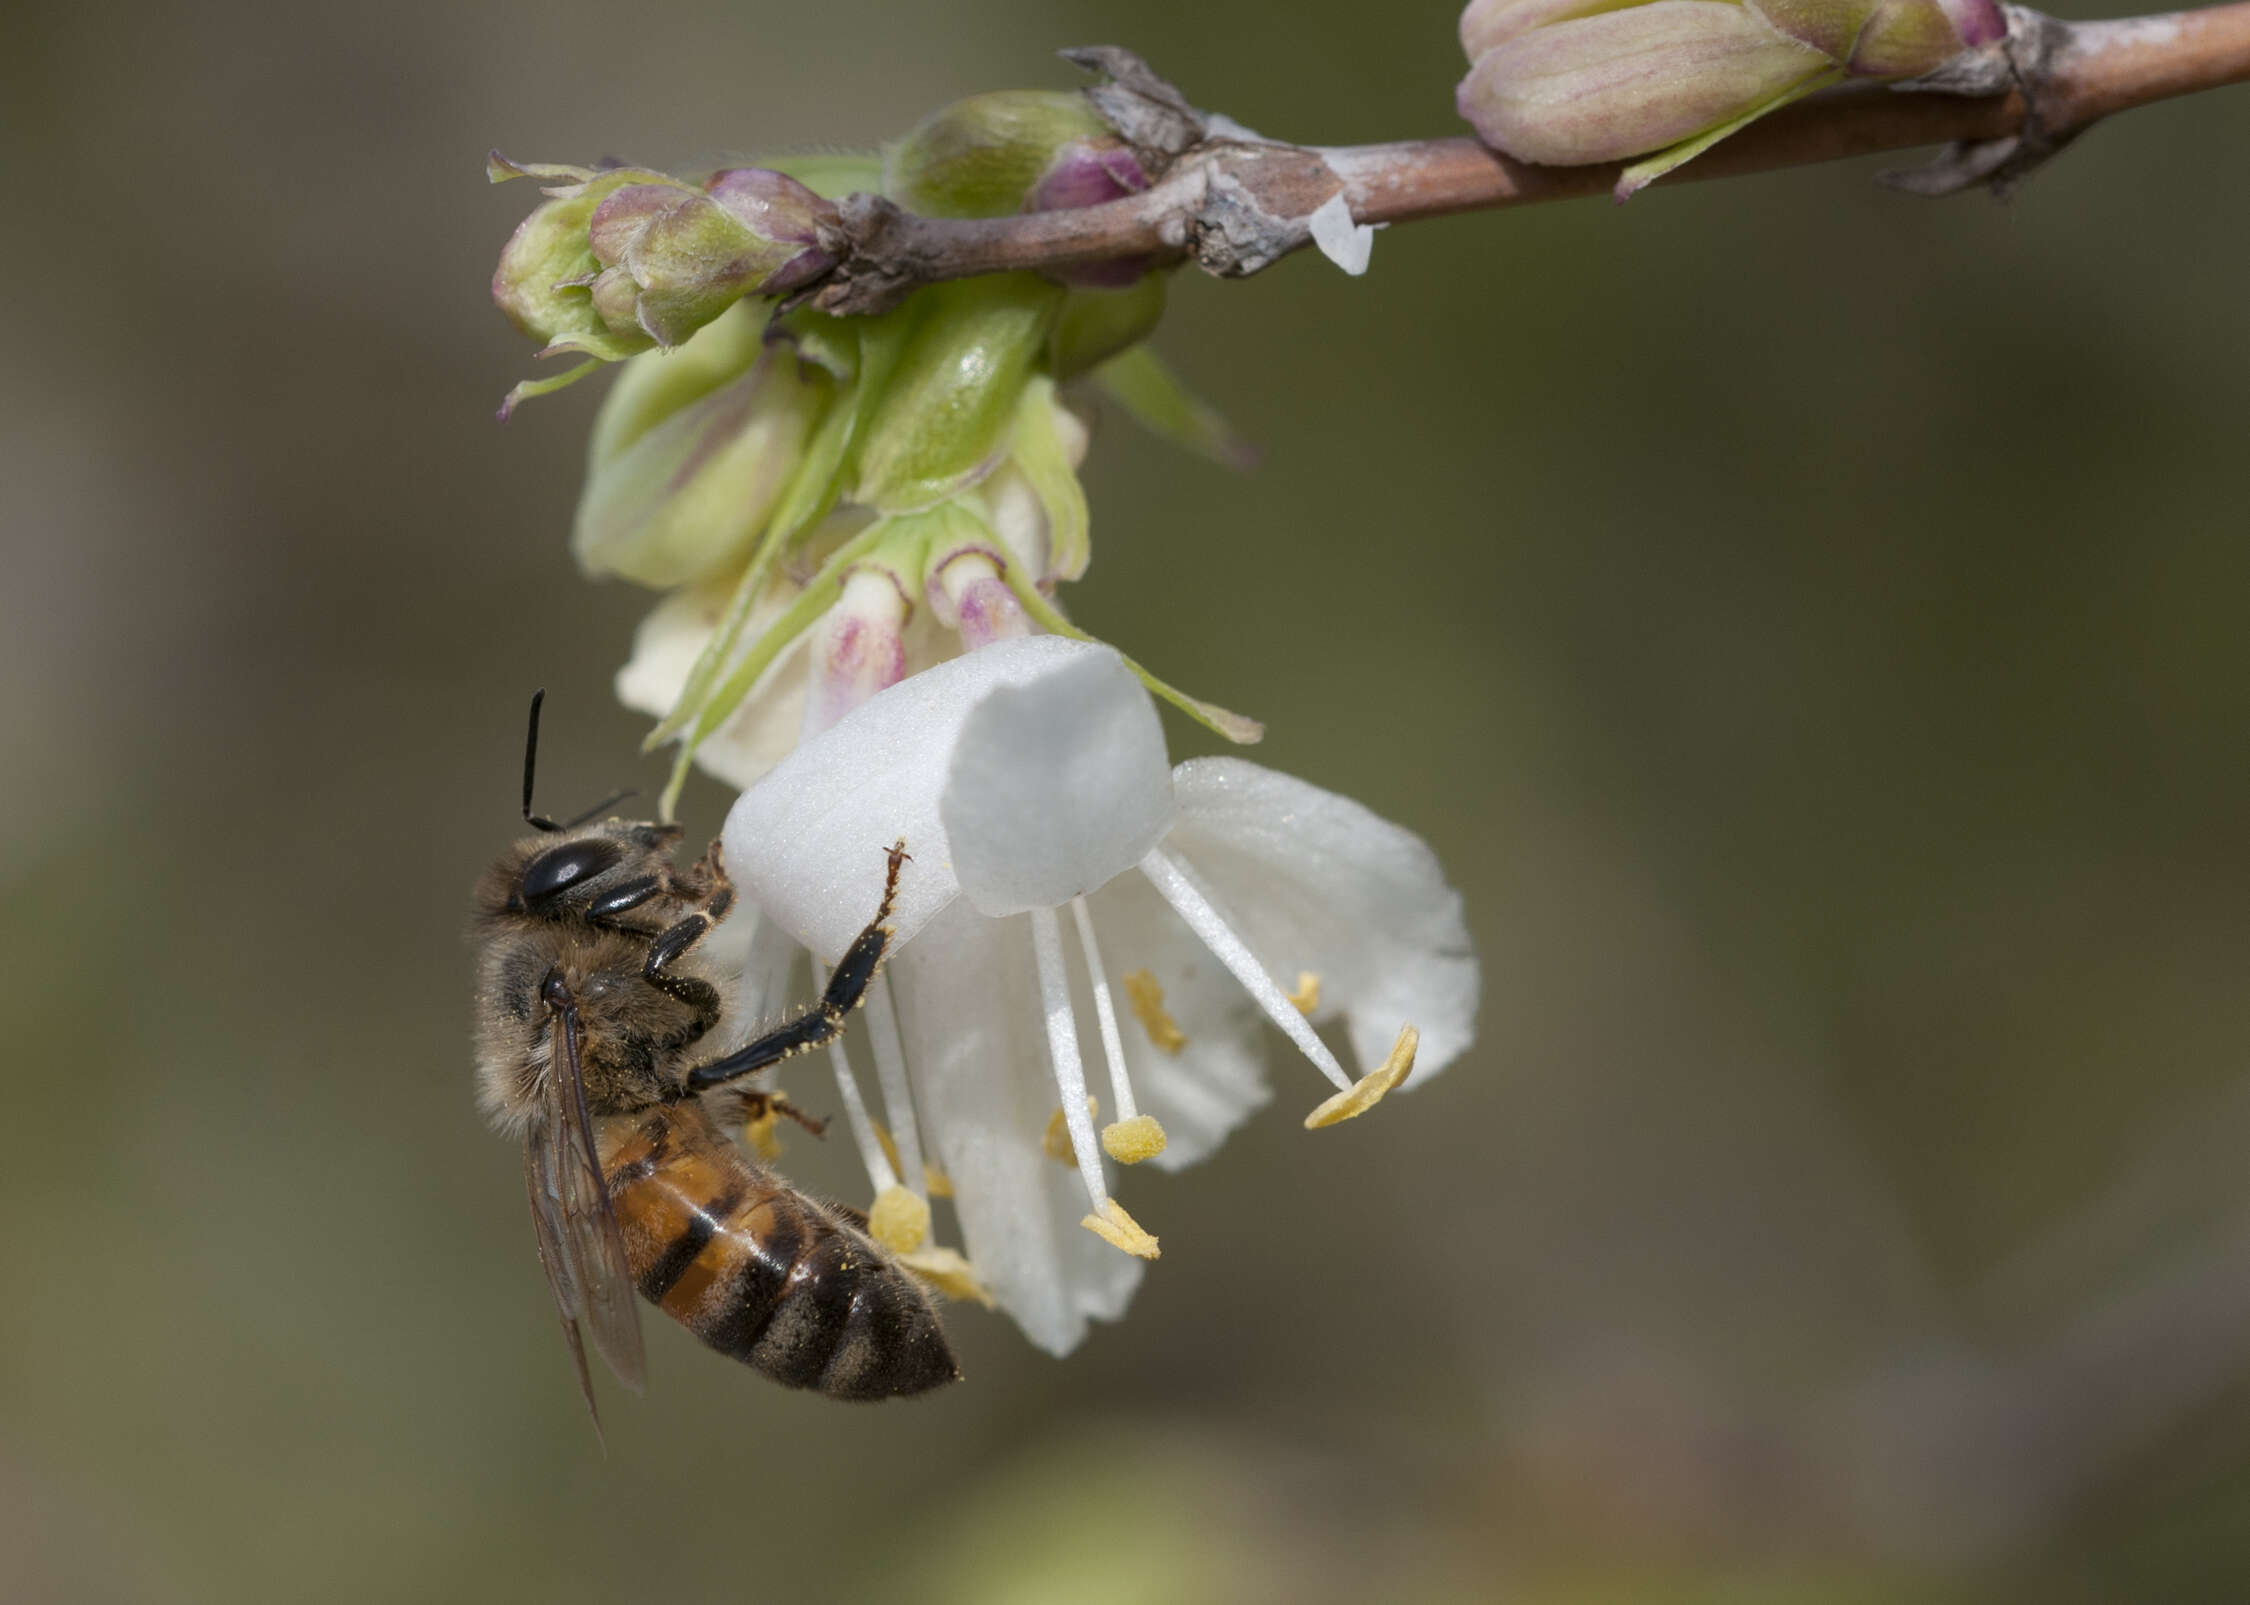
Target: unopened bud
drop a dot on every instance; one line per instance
(1576, 81)
(1019, 150)
(691, 452)
(945, 415)
(622, 259)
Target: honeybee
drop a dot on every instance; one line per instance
(589, 1007)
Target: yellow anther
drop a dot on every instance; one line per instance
(1147, 999)
(899, 1220)
(1307, 995)
(890, 1148)
(1118, 1229)
(945, 1270)
(1131, 1141)
(761, 1137)
(940, 1184)
(1357, 1100)
(1057, 1141)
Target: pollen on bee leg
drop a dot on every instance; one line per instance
(899, 1220)
(1118, 1229)
(1147, 1001)
(1055, 1142)
(1368, 1091)
(1131, 1141)
(758, 1132)
(1307, 996)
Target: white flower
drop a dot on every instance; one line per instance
(1059, 861)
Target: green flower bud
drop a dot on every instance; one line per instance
(1576, 81)
(945, 412)
(621, 259)
(692, 452)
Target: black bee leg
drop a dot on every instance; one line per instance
(623, 899)
(818, 1026)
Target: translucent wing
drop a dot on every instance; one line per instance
(579, 1242)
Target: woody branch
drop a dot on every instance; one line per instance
(1234, 203)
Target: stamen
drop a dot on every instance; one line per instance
(1113, 1045)
(890, 1072)
(1187, 900)
(1147, 999)
(1132, 1136)
(1307, 995)
(945, 1270)
(1113, 1226)
(1358, 1099)
(879, 1172)
(899, 1220)
(1131, 1141)
(1062, 1050)
(1055, 1141)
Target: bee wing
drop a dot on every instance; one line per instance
(579, 1242)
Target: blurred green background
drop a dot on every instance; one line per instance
(1807, 621)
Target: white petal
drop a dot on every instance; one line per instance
(665, 648)
(1313, 881)
(1343, 242)
(1056, 786)
(976, 1046)
(807, 843)
(1214, 1082)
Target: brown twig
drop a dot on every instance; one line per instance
(1234, 203)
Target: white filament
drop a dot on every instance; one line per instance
(890, 1071)
(1113, 1043)
(1062, 1048)
(1187, 900)
(879, 1172)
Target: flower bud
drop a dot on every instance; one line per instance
(1576, 81)
(691, 452)
(622, 259)
(945, 415)
(1019, 150)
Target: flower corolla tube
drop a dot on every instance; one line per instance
(1087, 944)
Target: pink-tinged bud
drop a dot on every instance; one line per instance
(1594, 89)
(858, 648)
(1020, 150)
(967, 595)
(1576, 81)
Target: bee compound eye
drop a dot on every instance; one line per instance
(559, 868)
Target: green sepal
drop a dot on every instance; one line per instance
(1651, 168)
(1236, 727)
(1153, 396)
(1036, 449)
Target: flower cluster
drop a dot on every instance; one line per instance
(1574, 81)
(860, 525)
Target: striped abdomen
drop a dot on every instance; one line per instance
(758, 1270)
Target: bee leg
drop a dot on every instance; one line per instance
(816, 1027)
(757, 1105)
(674, 940)
(623, 899)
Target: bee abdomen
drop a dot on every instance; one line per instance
(760, 1272)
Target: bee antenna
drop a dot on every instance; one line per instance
(611, 801)
(531, 765)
